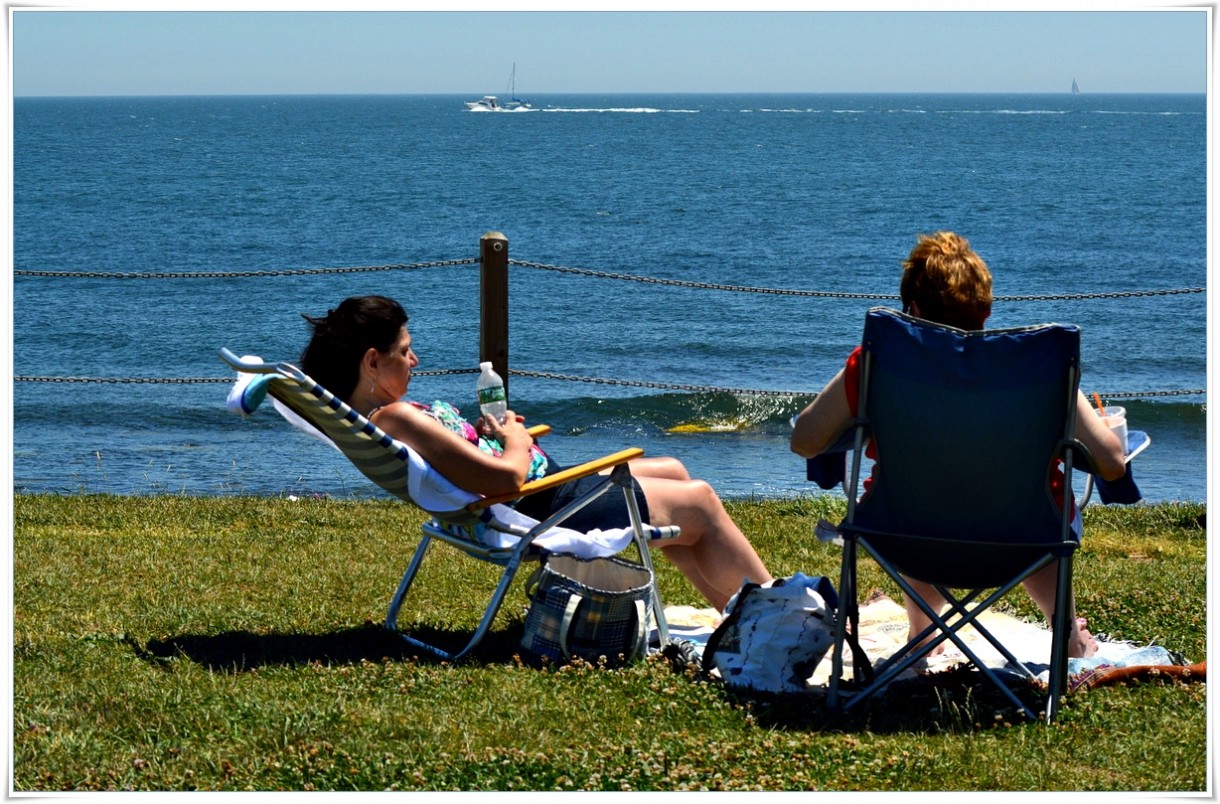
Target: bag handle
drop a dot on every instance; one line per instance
(531, 583)
(565, 624)
(641, 630)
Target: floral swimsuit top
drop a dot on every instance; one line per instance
(449, 416)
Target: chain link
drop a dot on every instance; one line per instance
(651, 280)
(189, 380)
(541, 375)
(665, 386)
(1117, 294)
(545, 375)
(126, 380)
(231, 274)
(566, 270)
(1141, 394)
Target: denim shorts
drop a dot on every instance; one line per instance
(606, 512)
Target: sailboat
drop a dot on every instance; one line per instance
(490, 103)
(513, 101)
(1075, 87)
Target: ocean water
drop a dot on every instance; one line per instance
(1065, 196)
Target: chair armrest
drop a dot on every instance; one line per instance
(572, 473)
(1123, 490)
(1137, 442)
(248, 365)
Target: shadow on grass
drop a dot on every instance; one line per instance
(954, 701)
(242, 651)
(959, 700)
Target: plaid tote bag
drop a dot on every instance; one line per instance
(591, 608)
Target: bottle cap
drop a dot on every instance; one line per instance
(485, 366)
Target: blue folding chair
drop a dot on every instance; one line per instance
(967, 427)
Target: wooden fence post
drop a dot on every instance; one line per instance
(493, 302)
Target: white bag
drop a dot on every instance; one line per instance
(774, 635)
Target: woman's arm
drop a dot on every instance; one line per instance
(456, 458)
(1108, 458)
(823, 420)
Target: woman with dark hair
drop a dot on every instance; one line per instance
(945, 281)
(361, 352)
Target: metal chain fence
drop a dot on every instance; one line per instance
(545, 375)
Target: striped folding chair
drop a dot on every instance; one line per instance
(484, 528)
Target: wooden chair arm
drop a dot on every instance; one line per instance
(572, 473)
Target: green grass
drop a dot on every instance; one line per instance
(170, 643)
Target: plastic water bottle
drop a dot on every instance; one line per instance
(493, 401)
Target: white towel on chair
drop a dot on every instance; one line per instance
(436, 494)
(244, 399)
(589, 544)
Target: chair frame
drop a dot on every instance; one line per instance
(524, 551)
(959, 614)
(288, 381)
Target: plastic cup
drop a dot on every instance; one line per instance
(1116, 420)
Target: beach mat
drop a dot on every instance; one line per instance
(883, 630)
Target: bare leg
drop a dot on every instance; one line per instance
(916, 619)
(672, 468)
(712, 552)
(1041, 587)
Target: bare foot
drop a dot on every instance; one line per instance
(939, 649)
(1081, 644)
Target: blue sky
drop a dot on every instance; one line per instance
(93, 51)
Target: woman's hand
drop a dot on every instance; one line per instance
(512, 429)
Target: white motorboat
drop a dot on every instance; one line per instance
(488, 103)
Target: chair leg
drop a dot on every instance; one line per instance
(1060, 630)
(848, 610)
(489, 613)
(910, 653)
(391, 618)
(951, 631)
(959, 608)
(493, 607)
(621, 477)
